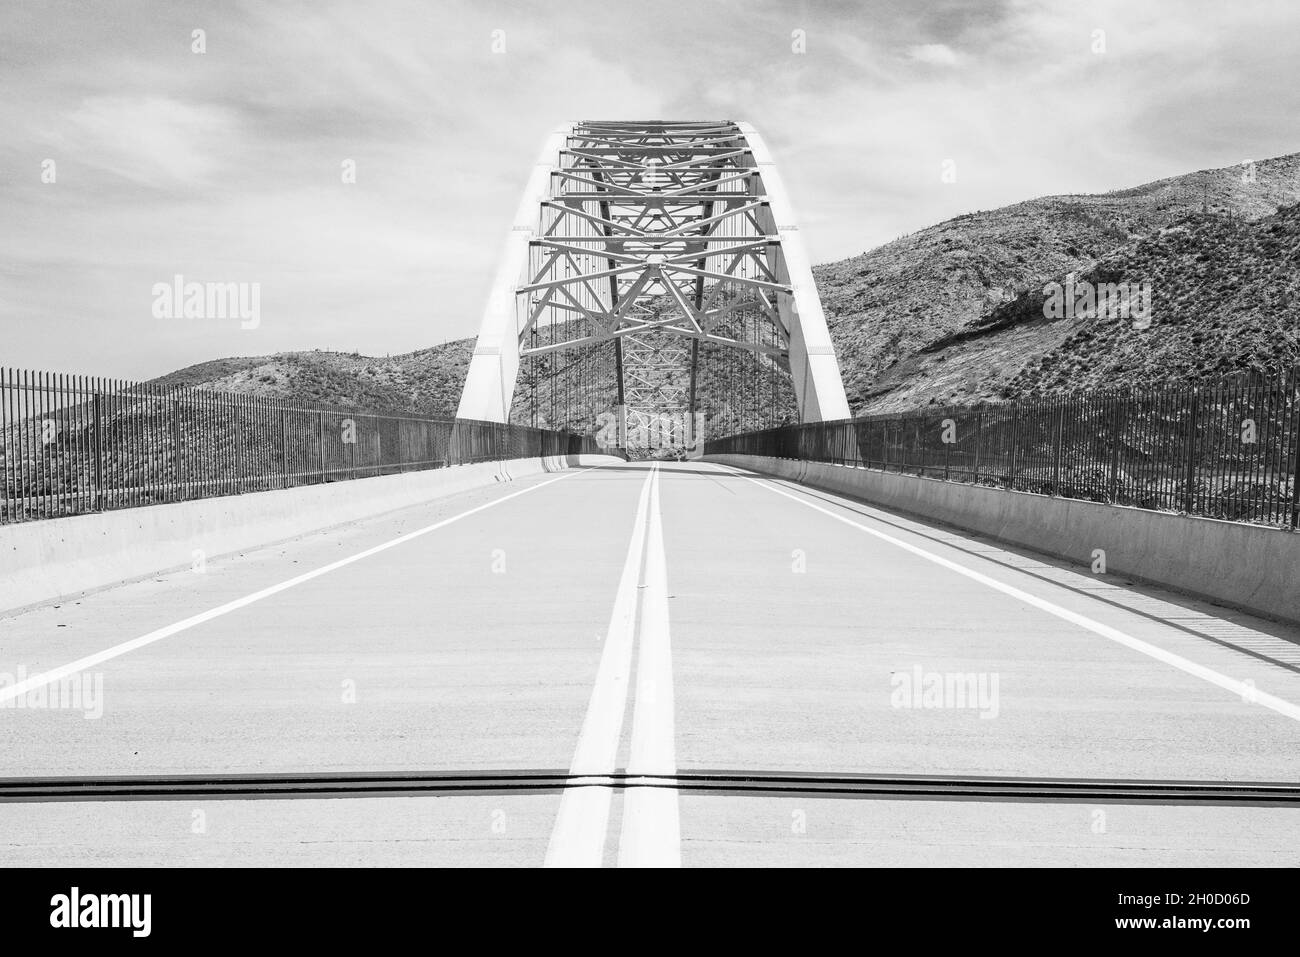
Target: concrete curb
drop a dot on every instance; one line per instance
(46, 560)
(1252, 567)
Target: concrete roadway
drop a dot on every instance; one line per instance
(685, 618)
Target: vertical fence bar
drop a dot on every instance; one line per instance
(6, 500)
(321, 436)
(1189, 490)
(39, 398)
(1058, 447)
(12, 486)
(99, 447)
(1015, 442)
(26, 456)
(59, 479)
(1265, 410)
(947, 452)
(83, 445)
(237, 414)
(40, 393)
(1293, 397)
(178, 477)
(1116, 434)
(284, 448)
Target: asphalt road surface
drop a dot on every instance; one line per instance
(630, 632)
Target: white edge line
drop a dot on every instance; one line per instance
(1246, 692)
(81, 664)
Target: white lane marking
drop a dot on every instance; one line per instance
(1247, 692)
(81, 664)
(651, 817)
(578, 837)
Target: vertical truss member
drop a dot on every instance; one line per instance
(663, 237)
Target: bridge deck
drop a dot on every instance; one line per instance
(773, 630)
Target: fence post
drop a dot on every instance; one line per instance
(1015, 442)
(176, 445)
(947, 451)
(99, 453)
(321, 416)
(979, 438)
(1294, 393)
(1116, 433)
(1059, 443)
(284, 445)
(1188, 490)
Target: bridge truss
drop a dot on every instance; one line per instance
(655, 264)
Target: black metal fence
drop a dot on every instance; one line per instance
(1227, 450)
(73, 444)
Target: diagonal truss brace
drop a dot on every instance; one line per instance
(629, 227)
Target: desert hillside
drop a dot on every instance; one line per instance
(954, 313)
(426, 381)
(888, 305)
(1225, 300)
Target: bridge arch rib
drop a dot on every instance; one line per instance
(628, 230)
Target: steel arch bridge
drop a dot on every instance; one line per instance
(654, 270)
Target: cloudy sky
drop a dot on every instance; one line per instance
(226, 165)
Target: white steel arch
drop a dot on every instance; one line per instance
(654, 226)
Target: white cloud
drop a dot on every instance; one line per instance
(936, 54)
(149, 140)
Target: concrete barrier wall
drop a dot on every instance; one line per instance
(45, 560)
(1252, 567)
